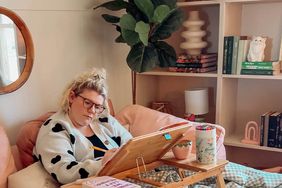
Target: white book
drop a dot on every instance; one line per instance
(243, 48)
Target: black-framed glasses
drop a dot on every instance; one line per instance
(88, 104)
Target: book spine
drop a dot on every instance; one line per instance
(235, 54)
(261, 65)
(207, 69)
(277, 132)
(273, 123)
(225, 55)
(256, 72)
(229, 55)
(257, 67)
(188, 65)
(262, 120)
(240, 56)
(206, 56)
(280, 134)
(204, 65)
(266, 126)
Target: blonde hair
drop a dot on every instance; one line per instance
(93, 80)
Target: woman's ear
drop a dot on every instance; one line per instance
(72, 95)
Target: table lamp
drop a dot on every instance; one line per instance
(197, 103)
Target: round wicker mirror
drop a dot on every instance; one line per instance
(16, 51)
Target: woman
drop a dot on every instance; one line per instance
(65, 141)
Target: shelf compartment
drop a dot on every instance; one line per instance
(209, 12)
(171, 88)
(235, 141)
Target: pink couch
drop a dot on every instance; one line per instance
(138, 119)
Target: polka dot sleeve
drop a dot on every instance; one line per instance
(57, 150)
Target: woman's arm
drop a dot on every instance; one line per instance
(56, 151)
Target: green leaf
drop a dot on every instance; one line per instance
(119, 39)
(142, 58)
(170, 3)
(160, 13)
(110, 18)
(170, 24)
(127, 22)
(143, 31)
(114, 5)
(146, 6)
(130, 37)
(166, 54)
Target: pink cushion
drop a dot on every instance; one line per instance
(27, 138)
(142, 120)
(7, 165)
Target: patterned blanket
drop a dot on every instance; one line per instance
(235, 176)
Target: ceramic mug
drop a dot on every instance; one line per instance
(182, 149)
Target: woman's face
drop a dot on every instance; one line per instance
(83, 107)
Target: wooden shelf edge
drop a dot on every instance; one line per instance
(250, 1)
(235, 141)
(168, 73)
(196, 3)
(264, 77)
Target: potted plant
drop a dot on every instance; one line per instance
(144, 27)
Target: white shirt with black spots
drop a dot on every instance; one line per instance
(65, 152)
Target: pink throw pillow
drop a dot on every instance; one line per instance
(7, 165)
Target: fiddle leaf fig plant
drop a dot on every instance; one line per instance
(144, 26)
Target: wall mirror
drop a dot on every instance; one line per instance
(16, 51)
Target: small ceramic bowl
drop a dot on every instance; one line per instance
(182, 150)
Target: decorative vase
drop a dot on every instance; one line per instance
(193, 44)
(206, 144)
(182, 150)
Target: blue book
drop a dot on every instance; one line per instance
(274, 121)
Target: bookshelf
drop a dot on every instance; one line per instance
(234, 99)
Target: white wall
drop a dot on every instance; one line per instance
(68, 39)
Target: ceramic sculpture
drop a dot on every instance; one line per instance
(193, 44)
(256, 51)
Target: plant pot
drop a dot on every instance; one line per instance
(182, 150)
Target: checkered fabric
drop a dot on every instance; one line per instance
(142, 184)
(162, 176)
(235, 176)
(249, 177)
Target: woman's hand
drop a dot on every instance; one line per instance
(108, 155)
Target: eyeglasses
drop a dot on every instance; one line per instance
(89, 104)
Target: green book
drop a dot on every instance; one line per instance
(225, 55)
(265, 65)
(229, 55)
(259, 72)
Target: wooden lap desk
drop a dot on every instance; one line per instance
(153, 150)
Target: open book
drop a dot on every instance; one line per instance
(148, 148)
(108, 182)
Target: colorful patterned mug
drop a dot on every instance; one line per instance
(206, 144)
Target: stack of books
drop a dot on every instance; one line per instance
(235, 52)
(271, 129)
(261, 68)
(195, 64)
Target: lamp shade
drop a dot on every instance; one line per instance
(197, 101)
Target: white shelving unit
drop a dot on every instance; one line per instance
(234, 99)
